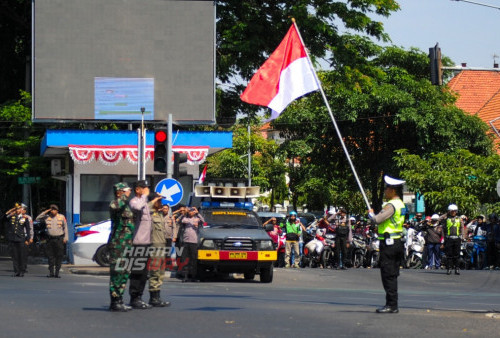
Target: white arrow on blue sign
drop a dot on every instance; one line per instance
(171, 190)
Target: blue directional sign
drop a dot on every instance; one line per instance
(171, 190)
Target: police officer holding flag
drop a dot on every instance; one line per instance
(390, 227)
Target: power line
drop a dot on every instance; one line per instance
(479, 4)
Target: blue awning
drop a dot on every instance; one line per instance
(56, 142)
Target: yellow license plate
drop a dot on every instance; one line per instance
(237, 255)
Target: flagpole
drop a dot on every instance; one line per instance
(318, 82)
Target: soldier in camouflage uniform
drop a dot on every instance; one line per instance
(120, 239)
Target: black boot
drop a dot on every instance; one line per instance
(137, 303)
(118, 306)
(156, 301)
(457, 271)
(51, 273)
(448, 272)
(388, 309)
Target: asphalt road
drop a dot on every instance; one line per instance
(300, 302)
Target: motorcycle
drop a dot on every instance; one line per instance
(312, 250)
(464, 261)
(373, 252)
(414, 250)
(359, 250)
(328, 255)
(478, 255)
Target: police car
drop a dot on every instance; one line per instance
(91, 242)
(232, 240)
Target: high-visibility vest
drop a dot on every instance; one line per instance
(455, 223)
(293, 228)
(394, 224)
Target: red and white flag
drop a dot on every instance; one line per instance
(284, 77)
(203, 175)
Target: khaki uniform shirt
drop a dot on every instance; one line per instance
(56, 226)
(161, 229)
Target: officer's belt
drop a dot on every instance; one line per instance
(56, 237)
(453, 237)
(394, 235)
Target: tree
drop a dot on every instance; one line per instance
(383, 101)
(460, 177)
(268, 169)
(249, 30)
(18, 142)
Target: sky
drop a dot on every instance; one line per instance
(465, 32)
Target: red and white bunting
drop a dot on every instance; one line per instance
(112, 155)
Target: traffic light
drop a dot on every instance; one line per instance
(161, 150)
(436, 65)
(178, 159)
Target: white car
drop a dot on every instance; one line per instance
(91, 242)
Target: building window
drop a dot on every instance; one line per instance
(96, 192)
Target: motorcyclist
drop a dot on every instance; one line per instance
(417, 221)
(434, 239)
(323, 222)
(293, 229)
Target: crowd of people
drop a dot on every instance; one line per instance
(431, 227)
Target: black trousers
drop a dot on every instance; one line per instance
(139, 270)
(452, 249)
(491, 254)
(190, 258)
(55, 253)
(19, 257)
(341, 248)
(390, 260)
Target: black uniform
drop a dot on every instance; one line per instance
(18, 232)
(341, 236)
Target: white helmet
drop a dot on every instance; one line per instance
(452, 207)
(320, 232)
(435, 217)
(352, 219)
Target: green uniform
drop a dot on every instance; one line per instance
(120, 239)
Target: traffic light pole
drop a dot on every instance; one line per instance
(170, 165)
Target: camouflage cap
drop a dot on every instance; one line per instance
(121, 186)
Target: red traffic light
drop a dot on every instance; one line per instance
(160, 136)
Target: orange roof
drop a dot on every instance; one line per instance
(266, 127)
(475, 88)
(491, 110)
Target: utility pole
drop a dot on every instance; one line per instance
(141, 149)
(170, 164)
(249, 155)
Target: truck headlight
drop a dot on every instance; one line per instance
(265, 245)
(208, 244)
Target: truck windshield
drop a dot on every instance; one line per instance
(231, 219)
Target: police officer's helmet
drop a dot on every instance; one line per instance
(452, 207)
(293, 213)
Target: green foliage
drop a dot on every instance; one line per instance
(268, 167)
(249, 30)
(382, 104)
(19, 155)
(460, 177)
